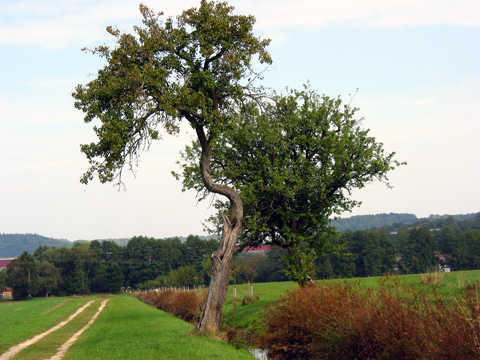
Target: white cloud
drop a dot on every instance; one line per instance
(368, 13)
(426, 101)
(56, 24)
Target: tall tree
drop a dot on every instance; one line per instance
(196, 67)
(295, 162)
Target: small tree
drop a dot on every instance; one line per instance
(22, 276)
(184, 276)
(196, 69)
(3, 279)
(250, 266)
(295, 162)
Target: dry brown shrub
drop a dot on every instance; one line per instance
(183, 304)
(344, 322)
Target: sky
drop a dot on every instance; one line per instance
(411, 66)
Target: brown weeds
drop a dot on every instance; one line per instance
(345, 322)
(183, 304)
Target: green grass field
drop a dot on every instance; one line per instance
(129, 329)
(126, 329)
(24, 319)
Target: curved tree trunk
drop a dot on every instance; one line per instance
(221, 259)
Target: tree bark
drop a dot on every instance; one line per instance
(221, 259)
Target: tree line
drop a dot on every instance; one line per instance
(146, 263)
(105, 267)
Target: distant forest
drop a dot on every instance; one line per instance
(63, 268)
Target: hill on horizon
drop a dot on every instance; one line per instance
(12, 245)
(366, 222)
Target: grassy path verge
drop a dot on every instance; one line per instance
(14, 350)
(130, 329)
(22, 320)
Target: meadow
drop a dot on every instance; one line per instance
(130, 329)
(126, 329)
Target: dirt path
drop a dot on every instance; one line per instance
(64, 348)
(17, 348)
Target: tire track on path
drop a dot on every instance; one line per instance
(14, 350)
(64, 348)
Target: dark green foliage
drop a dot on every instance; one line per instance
(49, 278)
(105, 267)
(272, 268)
(466, 255)
(113, 279)
(23, 276)
(358, 254)
(3, 279)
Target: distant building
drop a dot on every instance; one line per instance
(443, 259)
(5, 261)
(6, 293)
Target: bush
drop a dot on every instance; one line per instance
(183, 304)
(250, 299)
(345, 322)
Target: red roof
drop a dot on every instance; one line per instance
(259, 248)
(5, 261)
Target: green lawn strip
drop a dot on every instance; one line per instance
(130, 329)
(240, 316)
(24, 319)
(48, 346)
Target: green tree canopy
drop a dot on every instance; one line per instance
(197, 67)
(23, 276)
(193, 67)
(295, 162)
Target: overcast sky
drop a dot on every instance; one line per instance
(415, 63)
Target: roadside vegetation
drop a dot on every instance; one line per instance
(428, 316)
